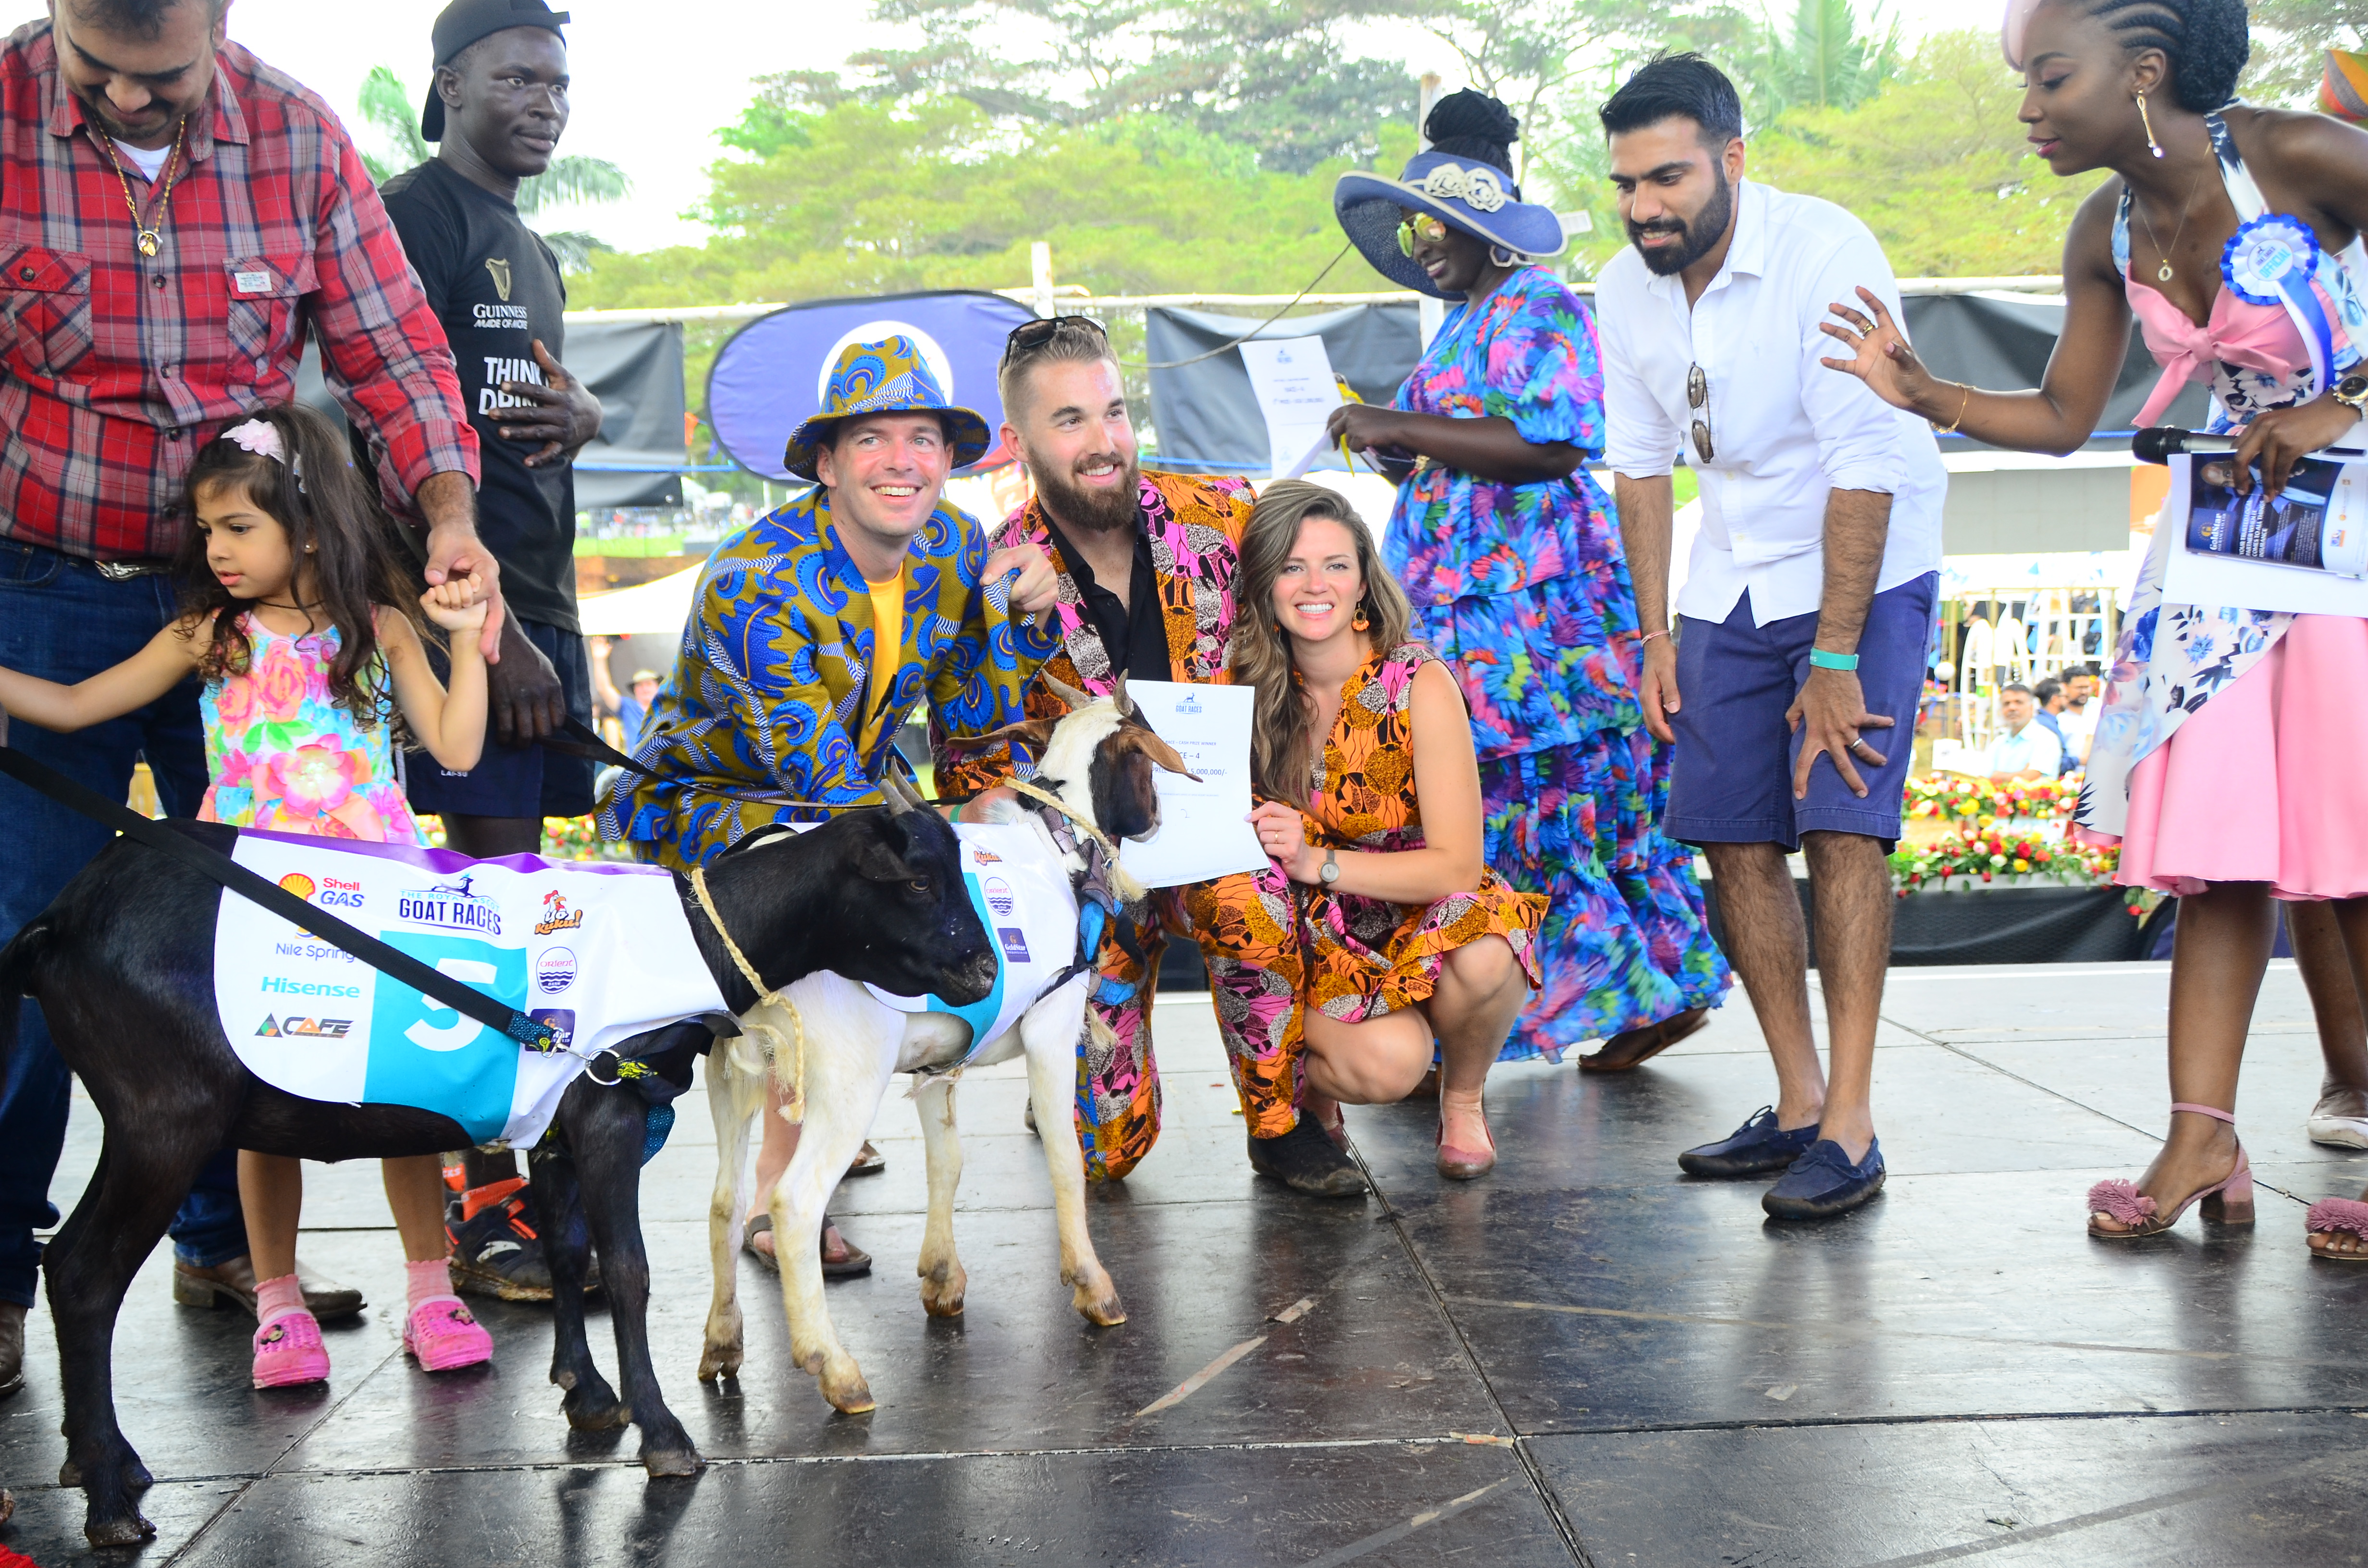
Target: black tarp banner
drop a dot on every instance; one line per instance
(1207, 418)
(634, 367)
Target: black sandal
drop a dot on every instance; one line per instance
(856, 1264)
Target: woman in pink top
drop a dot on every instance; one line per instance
(2205, 707)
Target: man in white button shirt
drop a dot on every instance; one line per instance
(1807, 603)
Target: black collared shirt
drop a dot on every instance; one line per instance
(1135, 634)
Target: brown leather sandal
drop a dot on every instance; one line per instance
(1633, 1048)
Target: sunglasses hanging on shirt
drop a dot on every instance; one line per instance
(1698, 399)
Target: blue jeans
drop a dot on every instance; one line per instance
(63, 621)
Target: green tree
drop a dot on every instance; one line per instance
(1824, 59)
(1552, 62)
(2291, 38)
(389, 108)
(869, 197)
(1272, 75)
(1936, 165)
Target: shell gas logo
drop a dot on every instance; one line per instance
(299, 883)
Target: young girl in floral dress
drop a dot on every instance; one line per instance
(302, 623)
(1378, 926)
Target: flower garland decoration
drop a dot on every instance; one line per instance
(1988, 851)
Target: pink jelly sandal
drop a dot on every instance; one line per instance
(445, 1338)
(2330, 1215)
(289, 1352)
(2228, 1202)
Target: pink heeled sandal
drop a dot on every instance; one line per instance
(2227, 1202)
(2330, 1215)
(1466, 1164)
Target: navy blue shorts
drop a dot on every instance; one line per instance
(514, 781)
(1731, 776)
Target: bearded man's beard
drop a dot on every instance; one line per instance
(1701, 232)
(1094, 508)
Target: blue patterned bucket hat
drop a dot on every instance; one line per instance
(1463, 192)
(886, 376)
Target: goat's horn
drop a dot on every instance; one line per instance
(898, 794)
(1069, 694)
(1119, 696)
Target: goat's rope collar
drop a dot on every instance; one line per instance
(793, 1107)
(1085, 825)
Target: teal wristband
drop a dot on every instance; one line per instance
(1821, 660)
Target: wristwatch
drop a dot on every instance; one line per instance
(1329, 872)
(2351, 391)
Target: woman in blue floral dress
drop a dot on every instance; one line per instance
(1510, 552)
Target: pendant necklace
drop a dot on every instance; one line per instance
(2163, 275)
(144, 233)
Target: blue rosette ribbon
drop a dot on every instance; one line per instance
(2273, 260)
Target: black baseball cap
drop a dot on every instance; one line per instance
(462, 23)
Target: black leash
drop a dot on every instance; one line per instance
(221, 869)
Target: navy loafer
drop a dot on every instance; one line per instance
(1754, 1148)
(1823, 1183)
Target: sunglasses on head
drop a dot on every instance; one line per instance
(1029, 337)
(1421, 226)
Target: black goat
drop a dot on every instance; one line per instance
(123, 964)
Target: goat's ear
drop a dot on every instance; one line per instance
(1159, 751)
(1069, 695)
(882, 856)
(1030, 732)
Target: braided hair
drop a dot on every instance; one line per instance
(2207, 43)
(1471, 124)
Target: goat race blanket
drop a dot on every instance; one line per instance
(1023, 897)
(601, 952)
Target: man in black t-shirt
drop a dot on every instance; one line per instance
(497, 105)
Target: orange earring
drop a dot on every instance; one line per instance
(1361, 623)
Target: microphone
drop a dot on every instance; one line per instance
(2160, 443)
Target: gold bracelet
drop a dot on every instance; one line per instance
(1963, 403)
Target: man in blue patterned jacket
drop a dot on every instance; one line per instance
(819, 628)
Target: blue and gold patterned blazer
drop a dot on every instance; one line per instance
(771, 683)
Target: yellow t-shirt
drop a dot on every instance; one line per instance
(887, 654)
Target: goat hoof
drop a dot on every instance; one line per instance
(939, 1307)
(590, 1409)
(849, 1396)
(125, 1531)
(720, 1361)
(942, 1288)
(673, 1462)
(1103, 1311)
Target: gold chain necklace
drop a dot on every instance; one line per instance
(2164, 273)
(144, 234)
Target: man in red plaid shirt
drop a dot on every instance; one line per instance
(174, 216)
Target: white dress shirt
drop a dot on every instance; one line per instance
(2033, 746)
(1784, 429)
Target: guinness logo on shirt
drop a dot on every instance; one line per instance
(501, 271)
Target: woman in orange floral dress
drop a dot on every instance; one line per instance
(1377, 926)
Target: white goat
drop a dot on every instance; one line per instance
(1098, 760)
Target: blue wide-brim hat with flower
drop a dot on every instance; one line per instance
(1462, 192)
(886, 376)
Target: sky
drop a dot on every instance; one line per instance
(651, 99)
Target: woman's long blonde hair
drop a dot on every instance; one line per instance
(1283, 739)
